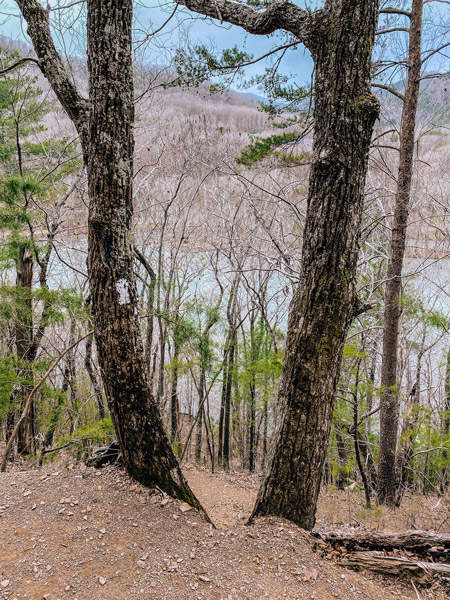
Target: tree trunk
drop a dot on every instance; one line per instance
(420, 542)
(146, 451)
(201, 396)
(408, 435)
(389, 412)
(24, 341)
(324, 302)
(445, 474)
(93, 377)
(395, 566)
(341, 478)
(174, 408)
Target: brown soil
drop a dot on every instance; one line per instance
(84, 534)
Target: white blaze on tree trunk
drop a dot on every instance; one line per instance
(123, 291)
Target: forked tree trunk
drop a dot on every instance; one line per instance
(389, 402)
(105, 126)
(324, 302)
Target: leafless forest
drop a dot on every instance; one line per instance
(220, 238)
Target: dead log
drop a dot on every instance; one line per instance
(392, 565)
(106, 455)
(435, 545)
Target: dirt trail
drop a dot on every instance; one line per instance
(84, 534)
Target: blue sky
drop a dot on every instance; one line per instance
(151, 14)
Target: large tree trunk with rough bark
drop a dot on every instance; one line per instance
(324, 302)
(389, 402)
(340, 37)
(105, 126)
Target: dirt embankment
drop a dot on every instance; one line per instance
(84, 534)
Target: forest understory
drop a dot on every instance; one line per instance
(85, 533)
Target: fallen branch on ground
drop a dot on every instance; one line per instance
(392, 565)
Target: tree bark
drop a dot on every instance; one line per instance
(93, 378)
(420, 542)
(389, 402)
(392, 565)
(325, 300)
(105, 126)
(445, 478)
(24, 340)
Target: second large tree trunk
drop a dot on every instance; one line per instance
(324, 301)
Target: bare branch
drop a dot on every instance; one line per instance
(22, 61)
(390, 89)
(279, 15)
(394, 11)
(51, 65)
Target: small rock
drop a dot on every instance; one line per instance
(4, 583)
(101, 580)
(204, 578)
(34, 507)
(27, 494)
(175, 517)
(185, 507)
(102, 530)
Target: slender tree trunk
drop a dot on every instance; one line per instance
(24, 340)
(56, 413)
(93, 378)
(389, 413)
(408, 435)
(174, 408)
(251, 425)
(325, 301)
(341, 479)
(201, 395)
(445, 473)
(228, 390)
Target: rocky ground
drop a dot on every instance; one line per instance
(86, 534)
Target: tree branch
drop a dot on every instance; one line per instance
(394, 11)
(52, 67)
(390, 89)
(279, 15)
(22, 61)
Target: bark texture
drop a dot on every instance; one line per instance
(420, 542)
(105, 126)
(391, 565)
(324, 301)
(340, 37)
(389, 402)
